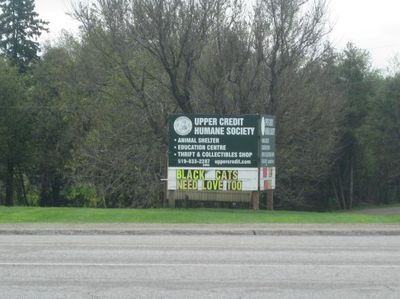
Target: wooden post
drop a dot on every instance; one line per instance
(270, 200)
(255, 200)
(171, 199)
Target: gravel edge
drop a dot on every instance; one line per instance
(203, 229)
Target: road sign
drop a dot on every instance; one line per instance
(220, 153)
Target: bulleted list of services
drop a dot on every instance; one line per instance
(210, 141)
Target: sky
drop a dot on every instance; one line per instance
(373, 25)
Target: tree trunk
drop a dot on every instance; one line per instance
(342, 191)
(56, 189)
(44, 192)
(336, 194)
(10, 183)
(351, 191)
(22, 198)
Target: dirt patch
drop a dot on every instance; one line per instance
(380, 211)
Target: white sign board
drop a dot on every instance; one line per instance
(212, 179)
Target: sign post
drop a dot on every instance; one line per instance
(267, 158)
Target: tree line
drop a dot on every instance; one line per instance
(85, 123)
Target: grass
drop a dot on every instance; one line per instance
(200, 216)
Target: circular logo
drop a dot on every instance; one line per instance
(183, 125)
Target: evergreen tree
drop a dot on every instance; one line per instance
(14, 131)
(20, 28)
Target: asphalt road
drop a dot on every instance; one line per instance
(108, 266)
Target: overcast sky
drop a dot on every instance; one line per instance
(370, 24)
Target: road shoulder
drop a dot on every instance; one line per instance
(200, 229)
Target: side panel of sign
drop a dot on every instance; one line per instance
(267, 142)
(267, 153)
(212, 179)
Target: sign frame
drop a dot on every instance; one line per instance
(219, 145)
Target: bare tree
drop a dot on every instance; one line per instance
(229, 72)
(290, 35)
(301, 92)
(175, 32)
(211, 56)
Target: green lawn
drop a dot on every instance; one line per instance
(86, 215)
